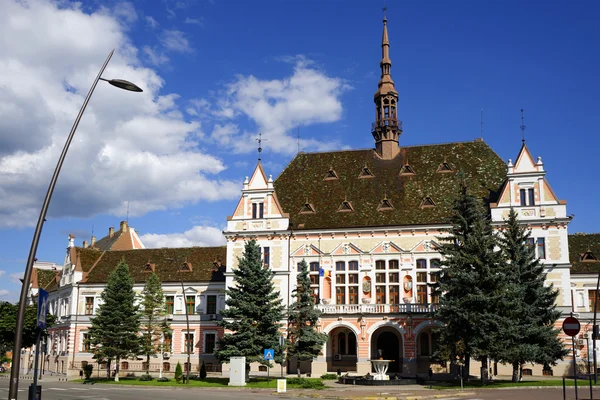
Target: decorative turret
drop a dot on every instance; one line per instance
(386, 129)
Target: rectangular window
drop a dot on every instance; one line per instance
(433, 276)
(353, 294)
(340, 266)
(266, 256)
(353, 266)
(541, 248)
(261, 210)
(530, 243)
(168, 342)
(258, 210)
(379, 264)
(393, 264)
(340, 279)
(531, 197)
(395, 294)
(380, 295)
(190, 304)
(592, 299)
(188, 340)
(421, 294)
(86, 345)
(353, 279)
(422, 277)
(211, 304)
(394, 277)
(421, 263)
(254, 210)
(314, 267)
(169, 304)
(523, 197)
(435, 263)
(209, 343)
(314, 279)
(340, 295)
(89, 305)
(380, 278)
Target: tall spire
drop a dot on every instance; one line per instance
(387, 129)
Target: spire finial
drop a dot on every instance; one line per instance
(522, 126)
(260, 140)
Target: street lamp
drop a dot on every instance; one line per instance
(14, 372)
(160, 367)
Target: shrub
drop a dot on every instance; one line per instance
(202, 371)
(178, 372)
(146, 377)
(329, 376)
(306, 383)
(88, 370)
(163, 379)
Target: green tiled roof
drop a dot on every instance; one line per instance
(207, 263)
(303, 181)
(47, 279)
(580, 243)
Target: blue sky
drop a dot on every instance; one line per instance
(216, 73)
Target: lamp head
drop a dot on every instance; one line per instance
(123, 84)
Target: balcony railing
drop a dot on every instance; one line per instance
(376, 308)
(391, 122)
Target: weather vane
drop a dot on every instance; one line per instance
(260, 140)
(523, 125)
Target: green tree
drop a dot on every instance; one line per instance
(178, 372)
(114, 330)
(154, 322)
(471, 285)
(203, 371)
(254, 311)
(8, 325)
(305, 341)
(531, 336)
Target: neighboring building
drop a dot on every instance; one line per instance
(368, 224)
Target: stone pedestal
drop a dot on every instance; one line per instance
(363, 367)
(318, 368)
(237, 373)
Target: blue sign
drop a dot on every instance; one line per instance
(321, 272)
(269, 354)
(42, 309)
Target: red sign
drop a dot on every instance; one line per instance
(571, 326)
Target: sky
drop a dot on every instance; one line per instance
(216, 73)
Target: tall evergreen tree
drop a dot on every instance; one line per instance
(530, 335)
(305, 341)
(154, 323)
(470, 285)
(254, 311)
(115, 328)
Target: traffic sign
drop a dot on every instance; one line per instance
(269, 354)
(42, 308)
(571, 326)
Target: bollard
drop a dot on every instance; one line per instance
(591, 393)
(564, 390)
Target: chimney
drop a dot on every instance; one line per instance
(71, 240)
(124, 227)
(111, 232)
(85, 244)
(93, 241)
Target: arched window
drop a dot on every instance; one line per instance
(424, 344)
(351, 344)
(342, 343)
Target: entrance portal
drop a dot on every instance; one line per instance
(342, 350)
(389, 341)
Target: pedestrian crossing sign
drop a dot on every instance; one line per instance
(269, 354)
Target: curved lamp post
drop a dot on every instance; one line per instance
(14, 372)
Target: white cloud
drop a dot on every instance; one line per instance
(277, 107)
(132, 147)
(195, 21)
(175, 40)
(4, 292)
(125, 12)
(151, 22)
(2, 272)
(155, 57)
(197, 236)
(16, 277)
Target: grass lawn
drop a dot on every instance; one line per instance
(508, 383)
(254, 383)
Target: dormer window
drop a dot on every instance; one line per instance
(407, 170)
(307, 208)
(527, 197)
(444, 167)
(588, 256)
(366, 173)
(346, 206)
(330, 175)
(185, 267)
(427, 202)
(149, 267)
(258, 210)
(385, 205)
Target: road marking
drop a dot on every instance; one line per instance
(56, 389)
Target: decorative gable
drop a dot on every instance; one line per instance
(307, 251)
(386, 247)
(345, 249)
(259, 178)
(525, 162)
(425, 246)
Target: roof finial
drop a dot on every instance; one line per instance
(522, 126)
(260, 140)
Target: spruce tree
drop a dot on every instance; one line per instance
(305, 341)
(470, 285)
(153, 312)
(530, 335)
(117, 323)
(254, 311)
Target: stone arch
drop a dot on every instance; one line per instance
(427, 324)
(381, 324)
(340, 324)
